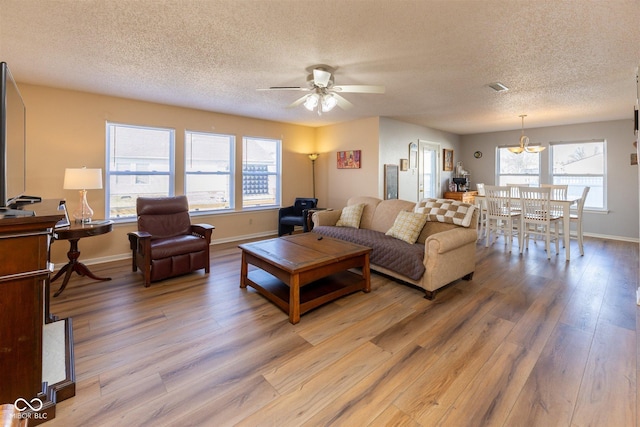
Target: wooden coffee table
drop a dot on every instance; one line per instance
(301, 272)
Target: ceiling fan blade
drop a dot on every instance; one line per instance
(286, 88)
(321, 77)
(358, 88)
(298, 101)
(342, 103)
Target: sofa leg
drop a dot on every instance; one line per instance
(430, 295)
(468, 276)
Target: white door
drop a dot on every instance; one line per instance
(428, 170)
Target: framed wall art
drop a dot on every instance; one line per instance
(349, 159)
(447, 160)
(404, 164)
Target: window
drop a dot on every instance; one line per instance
(580, 164)
(209, 170)
(139, 163)
(260, 172)
(429, 175)
(523, 168)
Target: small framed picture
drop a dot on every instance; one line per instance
(64, 222)
(447, 160)
(349, 159)
(404, 164)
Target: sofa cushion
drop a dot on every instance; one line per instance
(407, 226)
(350, 216)
(386, 251)
(446, 210)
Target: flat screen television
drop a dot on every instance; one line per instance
(12, 140)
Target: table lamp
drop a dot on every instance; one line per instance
(82, 179)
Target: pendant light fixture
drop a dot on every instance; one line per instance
(524, 143)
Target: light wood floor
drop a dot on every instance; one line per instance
(527, 342)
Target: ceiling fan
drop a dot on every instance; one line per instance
(323, 94)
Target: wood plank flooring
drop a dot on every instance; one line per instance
(527, 342)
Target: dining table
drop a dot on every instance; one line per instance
(566, 204)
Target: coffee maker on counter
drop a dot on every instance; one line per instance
(462, 183)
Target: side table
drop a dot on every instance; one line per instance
(73, 233)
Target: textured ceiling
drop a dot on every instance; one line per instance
(564, 61)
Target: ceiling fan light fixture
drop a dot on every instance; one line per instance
(328, 102)
(311, 102)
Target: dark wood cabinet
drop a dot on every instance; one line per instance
(24, 277)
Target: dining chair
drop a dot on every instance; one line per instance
(501, 217)
(538, 217)
(576, 218)
(515, 195)
(482, 207)
(558, 192)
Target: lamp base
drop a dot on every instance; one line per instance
(83, 213)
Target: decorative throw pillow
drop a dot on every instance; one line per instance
(350, 216)
(407, 226)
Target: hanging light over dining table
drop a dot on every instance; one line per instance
(524, 143)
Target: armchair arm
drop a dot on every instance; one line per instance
(448, 240)
(203, 230)
(328, 217)
(140, 243)
(286, 211)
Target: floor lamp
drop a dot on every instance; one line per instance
(313, 157)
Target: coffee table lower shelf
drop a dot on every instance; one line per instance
(312, 295)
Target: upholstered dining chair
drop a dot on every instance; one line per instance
(166, 244)
(501, 217)
(290, 216)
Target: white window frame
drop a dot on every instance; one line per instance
(575, 188)
(230, 173)
(277, 174)
(111, 142)
(517, 178)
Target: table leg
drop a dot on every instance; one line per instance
(243, 271)
(74, 265)
(294, 299)
(566, 226)
(366, 274)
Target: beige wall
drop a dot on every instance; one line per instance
(334, 186)
(67, 129)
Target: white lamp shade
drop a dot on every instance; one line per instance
(82, 179)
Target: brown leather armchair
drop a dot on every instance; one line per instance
(166, 243)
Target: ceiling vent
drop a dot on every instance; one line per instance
(498, 87)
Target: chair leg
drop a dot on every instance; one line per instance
(580, 242)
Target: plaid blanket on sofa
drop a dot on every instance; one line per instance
(446, 210)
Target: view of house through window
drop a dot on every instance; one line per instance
(260, 172)
(139, 163)
(580, 164)
(209, 170)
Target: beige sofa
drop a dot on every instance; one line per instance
(447, 251)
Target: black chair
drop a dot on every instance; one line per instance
(291, 216)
